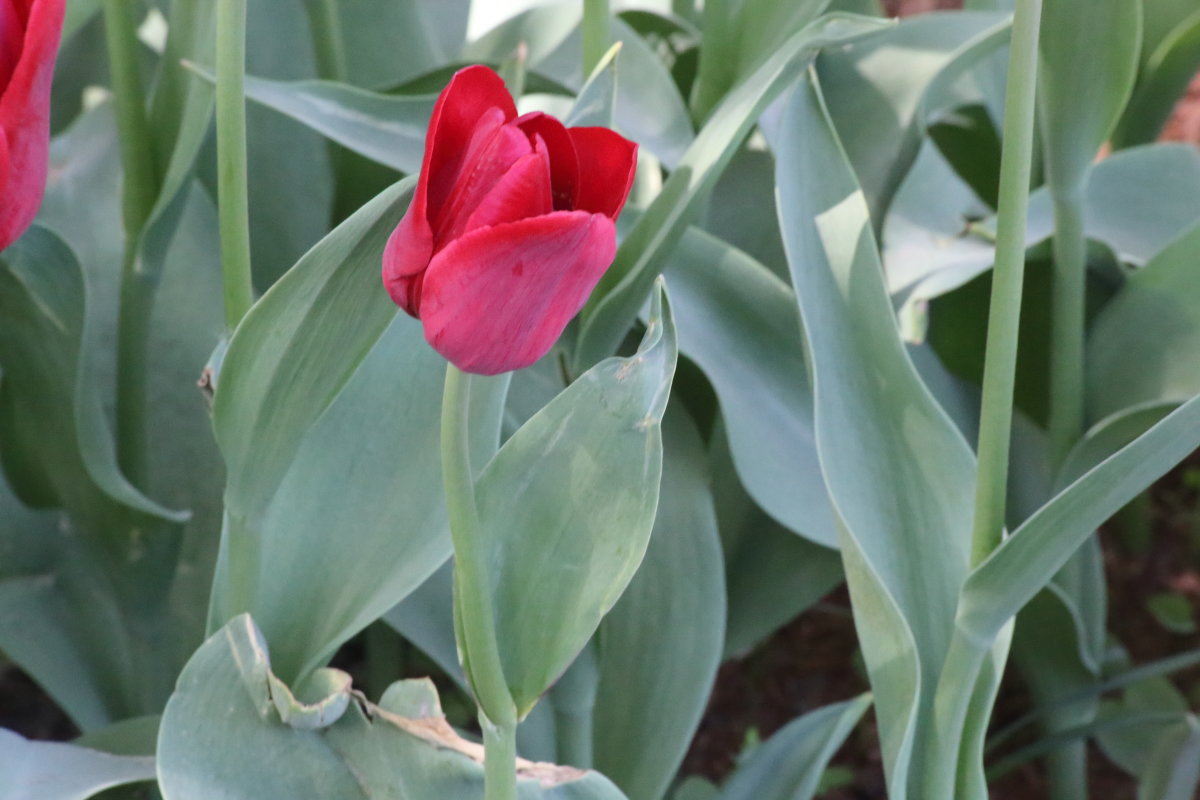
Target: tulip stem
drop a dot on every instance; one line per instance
(476, 626)
(499, 760)
(325, 29)
(1067, 326)
(233, 205)
(139, 190)
(1008, 276)
(595, 34)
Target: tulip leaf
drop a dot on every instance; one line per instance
(290, 173)
(899, 473)
(623, 289)
(1142, 344)
(882, 91)
(739, 323)
(772, 574)
(648, 107)
(1029, 558)
(1165, 79)
(58, 771)
(789, 765)
(567, 505)
(327, 411)
(434, 34)
(222, 736)
(659, 647)
(1087, 70)
(58, 450)
(387, 128)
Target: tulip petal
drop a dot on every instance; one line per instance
(469, 95)
(564, 163)
(493, 150)
(12, 35)
(523, 191)
(25, 114)
(474, 105)
(497, 299)
(611, 161)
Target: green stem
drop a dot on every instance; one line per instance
(476, 619)
(499, 760)
(1067, 329)
(595, 33)
(574, 701)
(325, 28)
(139, 191)
(1008, 276)
(233, 206)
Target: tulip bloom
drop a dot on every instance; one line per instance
(29, 33)
(510, 227)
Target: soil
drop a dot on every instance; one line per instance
(814, 660)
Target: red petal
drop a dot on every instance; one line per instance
(497, 299)
(469, 95)
(462, 105)
(523, 191)
(493, 150)
(25, 115)
(611, 161)
(564, 164)
(12, 37)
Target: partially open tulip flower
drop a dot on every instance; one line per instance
(29, 32)
(510, 228)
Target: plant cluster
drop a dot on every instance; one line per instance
(577, 348)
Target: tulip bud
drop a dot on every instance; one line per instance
(510, 228)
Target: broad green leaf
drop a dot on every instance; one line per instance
(1173, 772)
(567, 507)
(1136, 202)
(58, 449)
(1142, 344)
(222, 736)
(1027, 559)
(738, 34)
(594, 104)
(742, 212)
(789, 765)
(1087, 69)
(881, 91)
(434, 33)
(899, 474)
(135, 736)
(1160, 18)
(290, 174)
(660, 646)
(648, 107)
(426, 618)
(327, 411)
(58, 771)
(739, 323)
(640, 258)
(1165, 79)
(772, 574)
(387, 128)
(49, 626)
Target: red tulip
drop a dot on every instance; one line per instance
(29, 32)
(510, 228)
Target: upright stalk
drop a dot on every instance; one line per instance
(1008, 276)
(139, 190)
(325, 29)
(945, 775)
(1067, 329)
(595, 33)
(499, 760)
(476, 620)
(233, 205)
